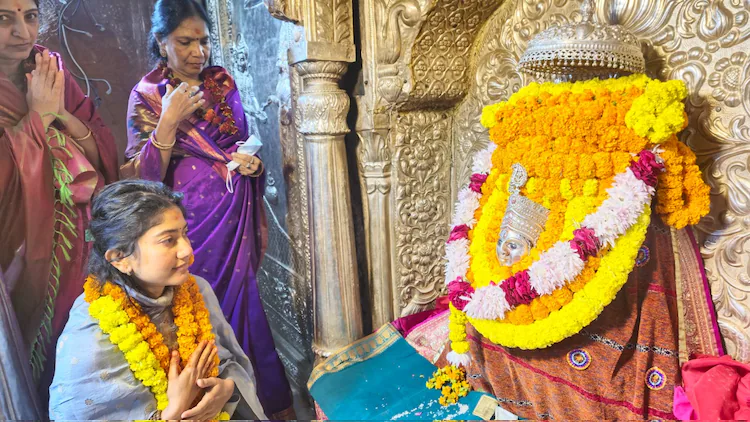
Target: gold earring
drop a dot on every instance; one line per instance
(163, 52)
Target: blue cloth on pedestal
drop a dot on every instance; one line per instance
(381, 377)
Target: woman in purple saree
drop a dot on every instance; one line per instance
(184, 123)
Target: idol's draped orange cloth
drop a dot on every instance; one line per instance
(636, 333)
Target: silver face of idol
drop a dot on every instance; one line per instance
(511, 247)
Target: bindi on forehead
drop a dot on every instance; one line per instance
(18, 6)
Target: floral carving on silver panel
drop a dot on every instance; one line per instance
(422, 169)
(441, 52)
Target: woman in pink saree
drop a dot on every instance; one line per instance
(185, 124)
(55, 152)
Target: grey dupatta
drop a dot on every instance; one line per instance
(93, 380)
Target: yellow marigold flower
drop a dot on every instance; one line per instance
(538, 310)
(659, 112)
(566, 190)
(488, 118)
(590, 187)
(548, 303)
(136, 336)
(572, 138)
(460, 346)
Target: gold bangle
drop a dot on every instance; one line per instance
(258, 173)
(162, 147)
(88, 135)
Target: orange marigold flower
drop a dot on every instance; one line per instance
(187, 308)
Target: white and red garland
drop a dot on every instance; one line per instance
(628, 196)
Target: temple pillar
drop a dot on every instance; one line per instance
(323, 107)
(320, 60)
(375, 172)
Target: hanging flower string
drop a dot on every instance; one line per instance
(224, 119)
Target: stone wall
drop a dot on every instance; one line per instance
(115, 51)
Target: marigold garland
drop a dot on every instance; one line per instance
(561, 264)
(659, 112)
(457, 330)
(572, 138)
(586, 130)
(682, 198)
(224, 119)
(584, 306)
(542, 306)
(114, 321)
(134, 333)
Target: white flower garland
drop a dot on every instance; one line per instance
(560, 264)
(457, 252)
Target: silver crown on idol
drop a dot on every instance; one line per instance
(522, 215)
(583, 50)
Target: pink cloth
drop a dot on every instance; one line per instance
(681, 407)
(407, 324)
(718, 388)
(28, 208)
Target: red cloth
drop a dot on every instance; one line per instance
(27, 203)
(718, 387)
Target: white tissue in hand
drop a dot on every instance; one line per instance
(249, 147)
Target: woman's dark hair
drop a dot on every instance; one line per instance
(168, 15)
(120, 214)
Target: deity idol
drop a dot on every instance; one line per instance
(575, 289)
(522, 224)
(567, 284)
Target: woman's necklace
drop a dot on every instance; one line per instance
(224, 119)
